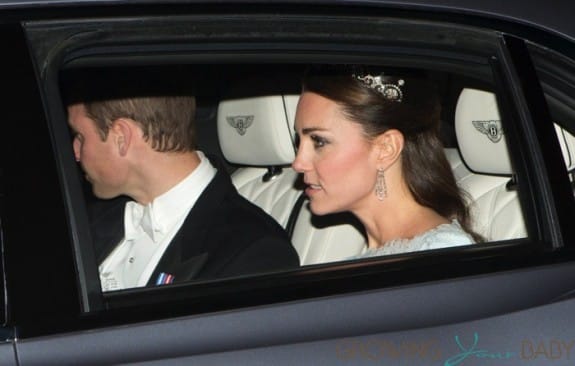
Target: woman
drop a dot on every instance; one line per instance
(369, 144)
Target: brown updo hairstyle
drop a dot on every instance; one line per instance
(417, 116)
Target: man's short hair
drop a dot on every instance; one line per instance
(164, 110)
(167, 121)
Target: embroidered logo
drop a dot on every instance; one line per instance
(492, 129)
(240, 123)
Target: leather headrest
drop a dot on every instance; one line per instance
(481, 137)
(258, 131)
(479, 133)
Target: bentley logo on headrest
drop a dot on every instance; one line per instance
(240, 123)
(492, 129)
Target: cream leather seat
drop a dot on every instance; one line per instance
(263, 146)
(486, 169)
(257, 134)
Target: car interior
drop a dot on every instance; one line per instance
(481, 168)
(246, 117)
(503, 78)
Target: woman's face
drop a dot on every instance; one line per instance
(337, 161)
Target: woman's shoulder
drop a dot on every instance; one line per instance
(444, 236)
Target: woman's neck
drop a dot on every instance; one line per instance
(397, 219)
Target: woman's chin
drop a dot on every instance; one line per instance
(319, 209)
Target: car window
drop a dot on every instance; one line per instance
(555, 73)
(233, 88)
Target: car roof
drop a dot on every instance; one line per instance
(555, 16)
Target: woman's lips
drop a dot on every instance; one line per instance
(312, 189)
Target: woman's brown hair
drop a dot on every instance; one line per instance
(415, 112)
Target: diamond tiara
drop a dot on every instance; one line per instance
(389, 91)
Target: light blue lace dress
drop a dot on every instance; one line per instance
(442, 236)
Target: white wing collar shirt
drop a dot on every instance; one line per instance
(149, 229)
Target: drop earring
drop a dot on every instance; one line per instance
(380, 187)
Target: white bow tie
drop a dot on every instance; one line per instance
(140, 218)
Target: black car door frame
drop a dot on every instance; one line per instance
(298, 321)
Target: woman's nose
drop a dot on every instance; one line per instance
(299, 164)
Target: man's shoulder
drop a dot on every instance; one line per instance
(240, 211)
(257, 241)
(234, 210)
(243, 237)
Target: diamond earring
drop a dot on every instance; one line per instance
(380, 187)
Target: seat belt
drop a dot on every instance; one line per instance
(290, 226)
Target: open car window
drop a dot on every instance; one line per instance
(247, 94)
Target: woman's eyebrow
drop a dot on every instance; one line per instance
(308, 130)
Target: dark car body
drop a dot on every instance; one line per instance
(505, 303)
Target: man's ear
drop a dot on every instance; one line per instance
(389, 146)
(123, 133)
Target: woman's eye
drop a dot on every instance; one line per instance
(318, 141)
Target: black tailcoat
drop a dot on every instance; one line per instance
(224, 235)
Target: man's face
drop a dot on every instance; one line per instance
(99, 158)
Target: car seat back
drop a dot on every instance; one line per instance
(486, 171)
(264, 149)
(255, 133)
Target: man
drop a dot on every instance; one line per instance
(184, 219)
